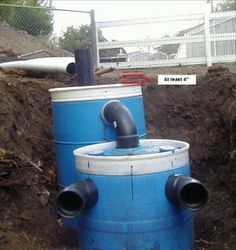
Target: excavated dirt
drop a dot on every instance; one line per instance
(21, 43)
(203, 115)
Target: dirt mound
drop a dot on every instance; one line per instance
(27, 166)
(26, 44)
(203, 115)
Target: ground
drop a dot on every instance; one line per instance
(21, 43)
(203, 115)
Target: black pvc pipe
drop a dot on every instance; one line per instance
(84, 67)
(119, 116)
(76, 197)
(186, 191)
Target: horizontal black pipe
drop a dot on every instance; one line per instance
(76, 197)
(84, 67)
(117, 114)
(186, 191)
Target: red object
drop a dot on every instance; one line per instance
(136, 78)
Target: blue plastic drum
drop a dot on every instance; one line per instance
(133, 211)
(77, 121)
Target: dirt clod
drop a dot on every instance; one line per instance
(25, 215)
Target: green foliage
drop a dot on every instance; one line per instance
(34, 21)
(74, 38)
(226, 5)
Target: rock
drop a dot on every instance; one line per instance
(6, 225)
(44, 197)
(25, 215)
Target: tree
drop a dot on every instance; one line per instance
(34, 21)
(74, 38)
(226, 5)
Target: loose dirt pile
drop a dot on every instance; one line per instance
(20, 42)
(203, 115)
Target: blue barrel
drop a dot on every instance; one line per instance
(133, 211)
(77, 121)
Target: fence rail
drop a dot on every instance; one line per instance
(162, 19)
(203, 39)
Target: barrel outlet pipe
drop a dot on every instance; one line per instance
(78, 196)
(117, 114)
(186, 192)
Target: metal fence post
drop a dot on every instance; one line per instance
(94, 38)
(207, 39)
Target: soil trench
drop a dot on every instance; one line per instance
(203, 115)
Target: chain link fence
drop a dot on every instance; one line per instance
(43, 31)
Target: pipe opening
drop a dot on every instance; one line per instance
(78, 196)
(186, 191)
(69, 203)
(193, 195)
(70, 69)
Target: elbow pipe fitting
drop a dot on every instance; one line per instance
(78, 196)
(117, 114)
(186, 191)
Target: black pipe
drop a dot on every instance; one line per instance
(75, 198)
(186, 191)
(119, 116)
(84, 67)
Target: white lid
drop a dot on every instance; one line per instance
(95, 92)
(132, 164)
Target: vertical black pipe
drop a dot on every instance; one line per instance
(84, 67)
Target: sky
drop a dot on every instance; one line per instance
(119, 10)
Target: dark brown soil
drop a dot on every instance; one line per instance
(22, 43)
(203, 115)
